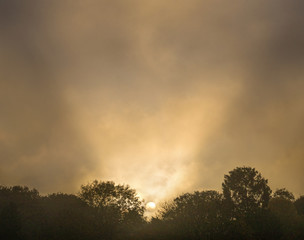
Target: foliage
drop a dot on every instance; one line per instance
(245, 190)
(203, 205)
(284, 194)
(67, 217)
(196, 215)
(286, 213)
(24, 214)
(299, 204)
(103, 210)
(18, 193)
(117, 200)
(282, 207)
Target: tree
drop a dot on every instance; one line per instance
(284, 194)
(283, 208)
(118, 209)
(18, 206)
(245, 190)
(195, 215)
(120, 202)
(299, 204)
(18, 194)
(10, 222)
(66, 216)
(204, 204)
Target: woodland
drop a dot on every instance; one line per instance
(246, 208)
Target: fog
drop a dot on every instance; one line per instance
(166, 96)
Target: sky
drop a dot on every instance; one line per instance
(166, 96)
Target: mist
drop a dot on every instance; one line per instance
(164, 96)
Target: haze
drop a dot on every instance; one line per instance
(166, 96)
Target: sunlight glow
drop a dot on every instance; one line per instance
(151, 206)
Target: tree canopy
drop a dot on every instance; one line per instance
(197, 215)
(246, 190)
(299, 203)
(284, 194)
(120, 199)
(105, 210)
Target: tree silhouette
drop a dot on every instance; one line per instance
(195, 215)
(67, 217)
(299, 204)
(245, 190)
(10, 222)
(282, 206)
(284, 194)
(120, 199)
(118, 207)
(104, 210)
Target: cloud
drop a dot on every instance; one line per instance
(166, 96)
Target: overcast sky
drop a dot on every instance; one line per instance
(167, 96)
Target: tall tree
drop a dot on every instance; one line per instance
(246, 190)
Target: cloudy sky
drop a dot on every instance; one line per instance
(166, 96)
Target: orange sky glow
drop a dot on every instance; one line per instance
(166, 96)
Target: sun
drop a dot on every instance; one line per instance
(150, 206)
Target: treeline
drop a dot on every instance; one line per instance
(245, 209)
